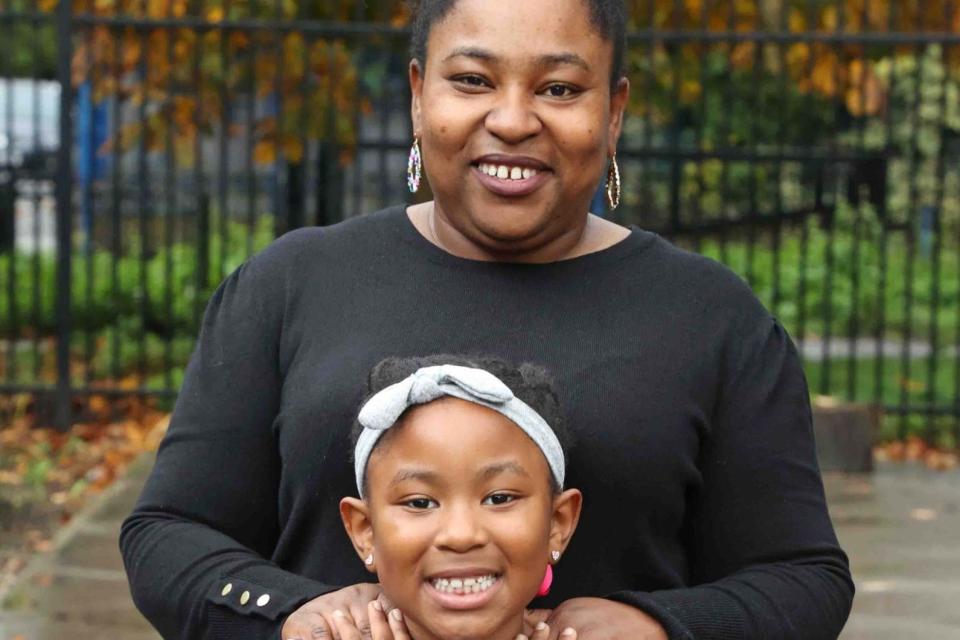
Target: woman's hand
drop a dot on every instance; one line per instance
(358, 612)
(596, 619)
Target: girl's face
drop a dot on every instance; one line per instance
(510, 86)
(461, 519)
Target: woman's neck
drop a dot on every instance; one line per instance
(595, 234)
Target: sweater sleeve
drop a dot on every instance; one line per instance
(764, 560)
(195, 547)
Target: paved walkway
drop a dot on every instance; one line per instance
(899, 526)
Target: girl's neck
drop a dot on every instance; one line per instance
(506, 632)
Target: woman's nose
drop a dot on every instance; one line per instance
(513, 118)
(461, 529)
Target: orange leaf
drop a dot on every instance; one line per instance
(265, 152)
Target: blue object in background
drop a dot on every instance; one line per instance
(91, 134)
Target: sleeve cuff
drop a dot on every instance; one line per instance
(256, 600)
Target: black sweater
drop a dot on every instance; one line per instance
(703, 503)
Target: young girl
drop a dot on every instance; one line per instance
(460, 469)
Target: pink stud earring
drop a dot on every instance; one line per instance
(547, 581)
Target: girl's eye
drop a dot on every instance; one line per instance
(561, 91)
(421, 503)
(499, 499)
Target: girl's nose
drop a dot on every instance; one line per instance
(513, 118)
(461, 530)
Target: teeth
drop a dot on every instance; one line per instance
(504, 172)
(463, 586)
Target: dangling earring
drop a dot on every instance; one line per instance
(547, 581)
(613, 183)
(368, 560)
(414, 167)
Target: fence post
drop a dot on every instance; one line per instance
(64, 194)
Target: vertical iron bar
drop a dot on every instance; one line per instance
(116, 201)
(144, 204)
(827, 299)
(905, 350)
(724, 133)
(170, 214)
(89, 204)
(939, 198)
(881, 329)
(64, 193)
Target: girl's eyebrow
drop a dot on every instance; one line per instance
(431, 477)
(510, 466)
(414, 474)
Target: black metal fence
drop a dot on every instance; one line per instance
(812, 145)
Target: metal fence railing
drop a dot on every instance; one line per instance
(812, 146)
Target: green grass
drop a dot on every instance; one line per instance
(898, 384)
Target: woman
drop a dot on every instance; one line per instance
(704, 514)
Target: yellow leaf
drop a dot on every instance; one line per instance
(293, 149)
(47, 6)
(215, 14)
(265, 152)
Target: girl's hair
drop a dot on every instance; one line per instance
(529, 382)
(608, 17)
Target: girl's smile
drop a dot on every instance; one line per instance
(461, 517)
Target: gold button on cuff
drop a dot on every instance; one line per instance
(263, 600)
(245, 597)
(227, 588)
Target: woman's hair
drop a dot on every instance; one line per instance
(608, 17)
(529, 382)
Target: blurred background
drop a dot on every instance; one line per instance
(147, 147)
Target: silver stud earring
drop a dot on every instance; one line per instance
(555, 555)
(368, 560)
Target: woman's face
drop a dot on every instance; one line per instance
(461, 519)
(520, 90)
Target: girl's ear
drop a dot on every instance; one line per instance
(566, 515)
(356, 520)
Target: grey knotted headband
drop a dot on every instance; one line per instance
(383, 410)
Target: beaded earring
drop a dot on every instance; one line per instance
(414, 167)
(613, 183)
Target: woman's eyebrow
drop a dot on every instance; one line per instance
(497, 468)
(546, 60)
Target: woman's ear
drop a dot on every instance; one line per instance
(566, 515)
(416, 92)
(356, 520)
(618, 104)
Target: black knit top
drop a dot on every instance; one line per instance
(703, 504)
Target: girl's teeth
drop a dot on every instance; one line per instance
(463, 586)
(503, 172)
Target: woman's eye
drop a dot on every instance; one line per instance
(420, 503)
(561, 91)
(471, 81)
(499, 498)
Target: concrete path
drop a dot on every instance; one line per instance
(900, 527)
